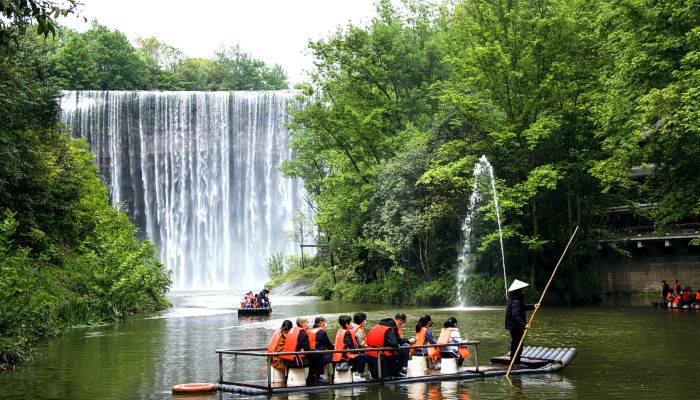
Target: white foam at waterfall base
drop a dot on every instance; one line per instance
(198, 174)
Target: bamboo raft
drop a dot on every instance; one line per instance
(539, 360)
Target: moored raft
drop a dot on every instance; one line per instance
(539, 360)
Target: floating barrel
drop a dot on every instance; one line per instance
(540, 352)
(566, 359)
(526, 351)
(546, 355)
(554, 354)
(558, 354)
(537, 350)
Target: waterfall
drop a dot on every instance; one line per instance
(483, 170)
(198, 174)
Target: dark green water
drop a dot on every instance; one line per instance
(624, 352)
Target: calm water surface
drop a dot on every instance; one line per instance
(624, 351)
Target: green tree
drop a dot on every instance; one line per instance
(67, 256)
(647, 111)
(200, 74)
(99, 59)
(522, 74)
(17, 15)
(162, 61)
(242, 72)
(373, 90)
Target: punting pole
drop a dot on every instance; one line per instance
(532, 316)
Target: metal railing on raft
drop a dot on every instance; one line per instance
(262, 352)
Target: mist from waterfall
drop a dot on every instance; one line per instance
(198, 174)
(483, 179)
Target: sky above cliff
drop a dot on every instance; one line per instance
(275, 31)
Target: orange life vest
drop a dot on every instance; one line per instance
(274, 340)
(676, 299)
(291, 343)
(420, 340)
(685, 296)
(420, 336)
(356, 328)
(340, 345)
(697, 296)
(375, 338)
(312, 336)
(444, 338)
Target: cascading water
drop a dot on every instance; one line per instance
(483, 170)
(198, 173)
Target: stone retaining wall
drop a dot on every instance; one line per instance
(644, 270)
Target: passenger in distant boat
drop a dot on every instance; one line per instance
(297, 340)
(400, 319)
(677, 287)
(686, 298)
(515, 318)
(279, 338)
(697, 297)
(676, 300)
(358, 327)
(450, 334)
(247, 300)
(264, 300)
(345, 339)
(424, 335)
(665, 289)
(385, 334)
(318, 339)
(669, 298)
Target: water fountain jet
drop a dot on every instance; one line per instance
(482, 170)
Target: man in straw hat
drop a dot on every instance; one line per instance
(515, 318)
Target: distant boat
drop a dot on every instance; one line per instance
(254, 311)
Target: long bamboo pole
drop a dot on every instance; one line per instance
(532, 316)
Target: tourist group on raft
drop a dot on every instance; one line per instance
(256, 300)
(679, 298)
(388, 333)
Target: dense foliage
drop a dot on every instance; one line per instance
(67, 256)
(563, 97)
(104, 59)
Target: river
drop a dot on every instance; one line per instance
(625, 350)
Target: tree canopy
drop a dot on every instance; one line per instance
(564, 98)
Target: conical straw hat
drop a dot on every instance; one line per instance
(517, 285)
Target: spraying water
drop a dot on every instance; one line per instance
(482, 171)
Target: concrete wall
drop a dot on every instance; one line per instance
(647, 266)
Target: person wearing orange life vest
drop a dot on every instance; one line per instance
(669, 298)
(450, 334)
(676, 299)
(677, 287)
(424, 335)
(345, 339)
(297, 340)
(697, 296)
(385, 334)
(686, 299)
(277, 342)
(318, 340)
(358, 328)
